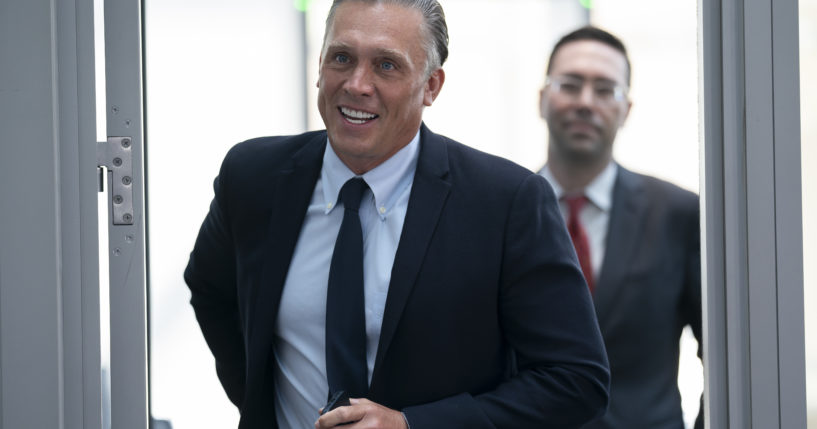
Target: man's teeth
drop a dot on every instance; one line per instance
(356, 116)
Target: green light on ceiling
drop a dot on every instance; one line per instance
(587, 4)
(301, 5)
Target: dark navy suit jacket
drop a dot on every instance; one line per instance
(488, 322)
(648, 289)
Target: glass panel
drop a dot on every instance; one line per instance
(660, 137)
(808, 111)
(492, 77)
(217, 73)
(220, 73)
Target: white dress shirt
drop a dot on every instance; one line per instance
(301, 385)
(595, 216)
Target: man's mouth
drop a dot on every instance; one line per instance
(356, 117)
(581, 126)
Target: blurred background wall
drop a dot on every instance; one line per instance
(222, 72)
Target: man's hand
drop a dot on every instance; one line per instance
(362, 414)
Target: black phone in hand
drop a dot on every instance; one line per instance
(338, 399)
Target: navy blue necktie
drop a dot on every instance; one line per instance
(346, 367)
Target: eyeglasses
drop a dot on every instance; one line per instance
(604, 91)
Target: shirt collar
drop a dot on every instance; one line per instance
(386, 180)
(599, 191)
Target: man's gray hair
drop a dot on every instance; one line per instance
(436, 30)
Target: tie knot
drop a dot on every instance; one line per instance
(351, 193)
(575, 202)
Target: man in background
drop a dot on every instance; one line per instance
(434, 284)
(637, 237)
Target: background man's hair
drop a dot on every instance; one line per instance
(590, 32)
(436, 30)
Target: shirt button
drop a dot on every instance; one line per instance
(329, 206)
(382, 210)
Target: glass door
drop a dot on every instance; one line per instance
(219, 73)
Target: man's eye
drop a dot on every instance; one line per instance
(604, 91)
(387, 65)
(571, 87)
(341, 58)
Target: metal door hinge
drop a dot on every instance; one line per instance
(115, 155)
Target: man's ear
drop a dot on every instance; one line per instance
(543, 104)
(626, 113)
(433, 86)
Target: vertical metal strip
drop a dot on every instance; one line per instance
(2, 402)
(80, 346)
(789, 209)
(734, 214)
(760, 207)
(712, 221)
(45, 122)
(752, 215)
(128, 324)
(146, 209)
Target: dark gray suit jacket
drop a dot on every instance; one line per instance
(648, 290)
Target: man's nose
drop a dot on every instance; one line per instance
(586, 96)
(360, 81)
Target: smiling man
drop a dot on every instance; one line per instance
(432, 284)
(637, 237)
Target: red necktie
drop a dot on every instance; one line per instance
(579, 236)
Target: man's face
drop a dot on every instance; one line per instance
(583, 117)
(372, 85)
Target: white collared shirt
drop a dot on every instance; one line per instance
(595, 216)
(299, 348)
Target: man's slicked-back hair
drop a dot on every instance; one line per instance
(436, 30)
(590, 32)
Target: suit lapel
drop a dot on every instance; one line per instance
(623, 235)
(290, 194)
(428, 195)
